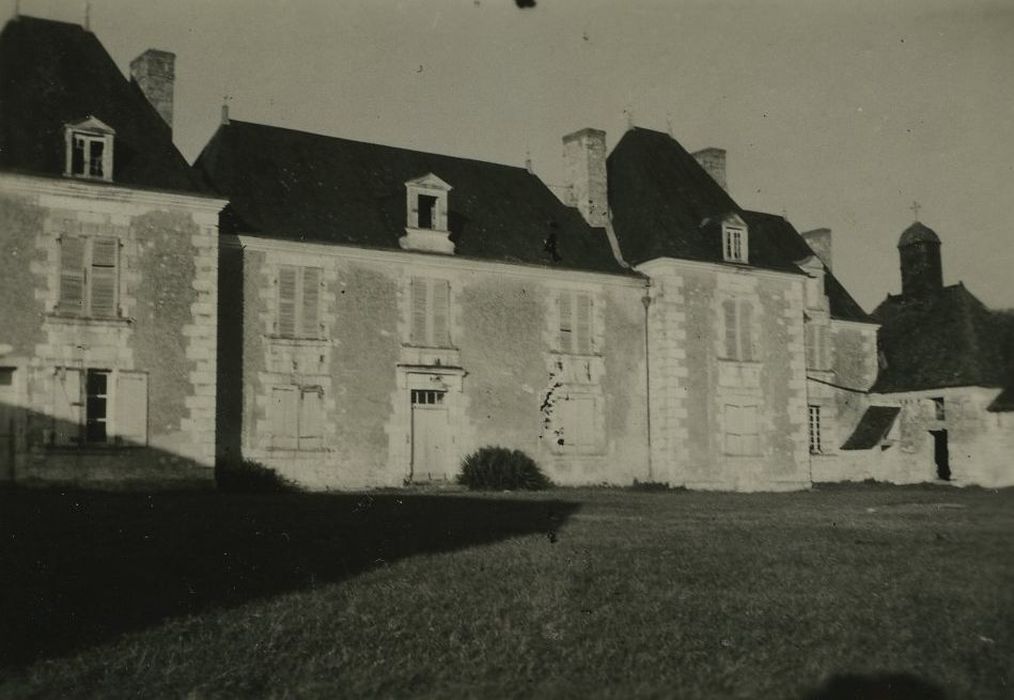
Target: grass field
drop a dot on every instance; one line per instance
(562, 594)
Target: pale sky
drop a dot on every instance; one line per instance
(838, 114)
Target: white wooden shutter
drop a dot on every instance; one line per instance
(284, 417)
(583, 323)
(311, 419)
(418, 293)
(440, 295)
(566, 321)
(745, 331)
(729, 312)
(287, 302)
(310, 320)
(131, 410)
(68, 407)
(72, 274)
(102, 287)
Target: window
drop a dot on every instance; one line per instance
(576, 426)
(818, 350)
(89, 146)
(741, 434)
(427, 206)
(430, 323)
(734, 243)
(99, 407)
(296, 417)
(738, 317)
(576, 323)
(815, 428)
(427, 397)
(89, 281)
(299, 302)
(939, 412)
(6, 376)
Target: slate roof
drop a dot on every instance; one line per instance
(872, 428)
(54, 73)
(942, 339)
(291, 184)
(659, 196)
(918, 233)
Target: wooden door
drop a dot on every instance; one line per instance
(429, 436)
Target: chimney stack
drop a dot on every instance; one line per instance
(819, 240)
(584, 158)
(154, 72)
(713, 161)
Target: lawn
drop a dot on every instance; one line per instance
(569, 593)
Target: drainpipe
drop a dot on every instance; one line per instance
(646, 300)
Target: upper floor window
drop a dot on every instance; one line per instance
(89, 277)
(89, 145)
(576, 326)
(299, 302)
(426, 221)
(738, 319)
(734, 243)
(818, 348)
(431, 307)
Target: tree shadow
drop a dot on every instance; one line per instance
(885, 686)
(79, 568)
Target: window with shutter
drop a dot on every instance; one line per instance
(131, 424)
(311, 419)
(310, 306)
(576, 425)
(431, 312)
(583, 323)
(97, 399)
(566, 322)
(441, 309)
(287, 301)
(103, 283)
(741, 432)
(68, 407)
(731, 339)
(745, 331)
(72, 274)
(284, 417)
(419, 305)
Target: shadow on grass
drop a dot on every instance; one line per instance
(78, 568)
(887, 686)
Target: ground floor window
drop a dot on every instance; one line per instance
(576, 424)
(742, 436)
(297, 417)
(815, 430)
(95, 406)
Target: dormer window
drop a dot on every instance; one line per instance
(426, 215)
(89, 145)
(735, 243)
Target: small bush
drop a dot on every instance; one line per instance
(248, 476)
(499, 469)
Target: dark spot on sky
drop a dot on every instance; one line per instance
(525, 3)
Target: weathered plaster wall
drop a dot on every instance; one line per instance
(164, 336)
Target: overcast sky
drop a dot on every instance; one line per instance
(838, 114)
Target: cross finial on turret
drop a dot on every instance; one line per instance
(915, 209)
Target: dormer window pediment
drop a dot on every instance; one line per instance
(426, 220)
(89, 149)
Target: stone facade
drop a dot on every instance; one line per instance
(112, 367)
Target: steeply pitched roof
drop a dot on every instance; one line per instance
(872, 428)
(660, 195)
(918, 233)
(292, 184)
(56, 73)
(942, 339)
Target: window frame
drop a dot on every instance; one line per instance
(80, 413)
(817, 346)
(85, 307)
(738, 441)
(302, 438)
(575, 322)
(89, 132)
(430, 312)
(815, 428)
(303, 326)
(738, 344)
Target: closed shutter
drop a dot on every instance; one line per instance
(418, 293)
(103, 281)
(311, 302)
(68, 407)
(131, 410)
(566, 322)
(729, 312)
(72, 274)
(748, 421)
(284, 417)
(584, 324)
(746, 331)
(810, 345)
(583, 426)
(825, 349)
(287, 302)
(311, 418)
(441, 306)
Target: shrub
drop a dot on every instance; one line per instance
(248, 476)
(499, 469)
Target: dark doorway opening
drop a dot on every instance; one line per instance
(941, 454)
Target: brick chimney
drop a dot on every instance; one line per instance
(819, 240)
(154, 72)
(713, 161)
(584, 159)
